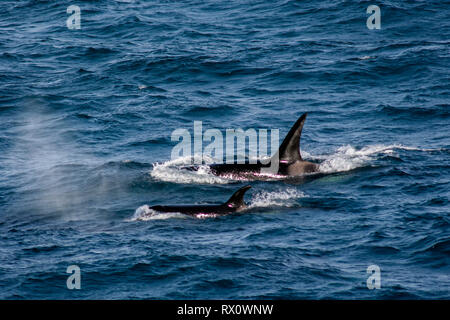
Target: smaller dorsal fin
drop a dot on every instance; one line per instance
(289, 150)
(237, 199)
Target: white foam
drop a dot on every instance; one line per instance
(144, 213)
(348, 157)
(417, 149)
(206, 215)
(366, 57)
(172, 171)
(281, 198)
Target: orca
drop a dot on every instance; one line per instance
(234, 204)
(285, 163)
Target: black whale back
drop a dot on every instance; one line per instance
(233, 204)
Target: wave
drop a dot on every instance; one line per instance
(281, 198)
(348, 158)
(144, 213)
(172, 171)
(439, 110)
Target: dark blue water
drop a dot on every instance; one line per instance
(87, 114)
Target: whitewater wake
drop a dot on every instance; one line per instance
(345, 158)
(348, 158)
(280, 198)
(172, 171)
(144, 213)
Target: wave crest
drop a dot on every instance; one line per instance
(282, 198)
(144, 213)
(348, 158)
(172, 171)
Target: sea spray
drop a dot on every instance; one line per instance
(280, 198)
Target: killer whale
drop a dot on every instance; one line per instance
(234, 204)
(286, 162)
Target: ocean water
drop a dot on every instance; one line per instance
(85, 149)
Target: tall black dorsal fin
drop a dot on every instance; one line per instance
(289, 150)
(237, 199)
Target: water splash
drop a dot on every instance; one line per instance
(349, 158)
(173, 171)
(144, 213)
(281, 198)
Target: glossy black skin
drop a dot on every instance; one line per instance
(253, 170)
(222, 209)
(234, 204)
(239, 169)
